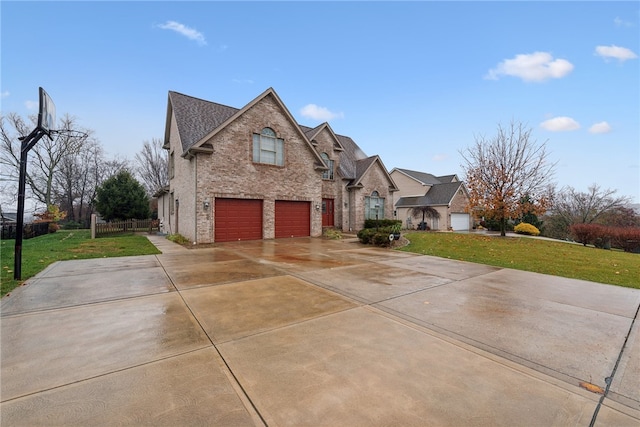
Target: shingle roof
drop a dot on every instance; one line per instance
(439, 194)
(347, 166)
(425, 178)
(409, 202)
(446, 178)
(197, 117)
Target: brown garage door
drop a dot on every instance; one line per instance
(238, 219)
(293, 219)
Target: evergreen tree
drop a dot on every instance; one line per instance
(122, 197)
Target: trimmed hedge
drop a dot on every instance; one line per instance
(601, 236)
(378, 223)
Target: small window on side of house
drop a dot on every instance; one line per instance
(328, 174)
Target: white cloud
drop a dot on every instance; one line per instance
(601, 127)
(243, 81)
(560, 124)
(619, 22)
(533, 67)
(32, 105)
(439, 157)
(617, 52)
(190, 33)
(315, 112)
(4, 94)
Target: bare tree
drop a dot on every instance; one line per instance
(571, 206)
(506, 169)
(44, 158)
(77, 179)
(12, 127)
(153, 166)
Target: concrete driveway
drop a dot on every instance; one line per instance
(311, 332)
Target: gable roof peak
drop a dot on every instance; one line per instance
(422, 177)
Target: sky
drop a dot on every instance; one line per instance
(416, 83)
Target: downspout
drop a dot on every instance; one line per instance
(195, 200)
(351, 208)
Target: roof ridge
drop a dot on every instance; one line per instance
(202, 100)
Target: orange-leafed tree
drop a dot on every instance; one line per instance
(505, 170)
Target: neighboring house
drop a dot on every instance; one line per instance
(254, 173)
(446, 194)
(8, 217)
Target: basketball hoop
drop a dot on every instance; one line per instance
(71, 133)
(46, 120)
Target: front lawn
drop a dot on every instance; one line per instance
(39, 252)
(537, 255)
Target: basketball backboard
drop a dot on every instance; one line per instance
(46, 113)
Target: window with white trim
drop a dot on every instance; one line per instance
(374, 206)
(328, 174)
(268, 148)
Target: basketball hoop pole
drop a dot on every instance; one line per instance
(27, 144)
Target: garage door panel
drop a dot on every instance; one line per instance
(460, 221)
(293, 219)
(238, 219)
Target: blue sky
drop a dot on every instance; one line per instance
(414, 82)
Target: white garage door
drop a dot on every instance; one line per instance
(459, 221)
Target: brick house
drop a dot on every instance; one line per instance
(254, 173)
(446, 194)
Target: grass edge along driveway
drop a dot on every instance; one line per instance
(537, 255)
(39, 252)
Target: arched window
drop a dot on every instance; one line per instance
(328, 174)
(374, 206)
(268, 148)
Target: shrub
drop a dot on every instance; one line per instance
(372, 236)
(526, 228)
(178, 238)
(626, 238)
(381, 239)
(365, 235)
(53, 227)
(585, 233)
(331, 233)
(378, 223)
(494, 225)
(71, 225)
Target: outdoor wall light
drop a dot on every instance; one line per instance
(205, 204)
(317, 207)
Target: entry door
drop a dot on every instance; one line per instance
(327, 212)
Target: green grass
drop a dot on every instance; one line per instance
(537, 255)
(39, 252)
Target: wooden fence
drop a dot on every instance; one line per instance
(128, 226)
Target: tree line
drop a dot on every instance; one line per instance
(510, 180)
(70, 169)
